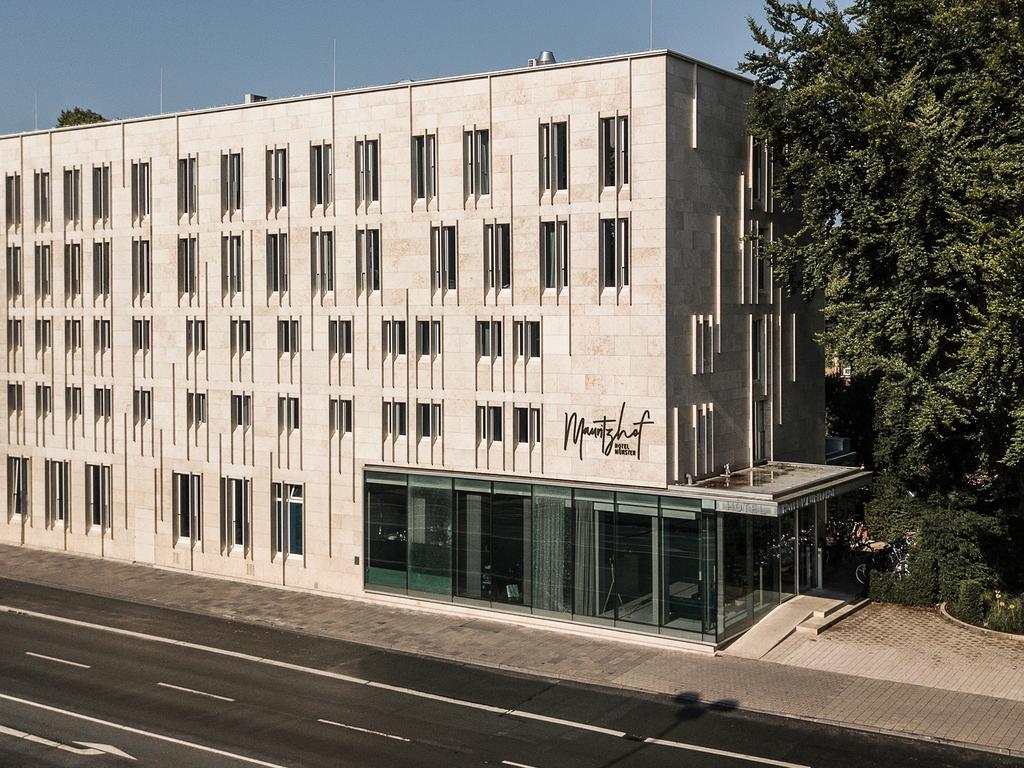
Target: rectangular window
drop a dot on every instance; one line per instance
(476, 154)
(277, 263)
(339, 337)
(615, 266)
(758, 344)
(43, 272)
(428, 419)
(496, 419)
(231, 182)
(498, 256)
(424, 167)
(101, 195)
(760, 420)
(195, 409)
(188, 186)
(188, 267)
(703, 439)
(443, 258)
(56, 491)
(235, 511)
(44, 401)
(394, 420)
(757, 149)
(367, 171)
(12, 200)
(527, 338)
(142, 269)
(241, 336)
(526, 423)
(73, 197)
(102, 403)
(321, 175)
(288, 337)
(241, 411)
(393, 337)
(101, 336)
(321, 261)
(760, 263)
(341, 416)
(72, 271)
(277, 179)
(554, 156)
(142, 335)
(72, 403)
(15, 400)
(368, 260)
(287, 519)
(232, 266)
(188, 506)
(288, 414)
(15, 336)
(44, 335)
(72, 336)
(142, 406)
(101, 270)
(195, 336)
(18, 484)
(554, 254)
(15, 274)
(614, 151)
(41, 197)
(97, 496)
(140, 190)
(703, 328)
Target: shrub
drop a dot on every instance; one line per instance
(1006, 613)
(970, 602)
(918, 587)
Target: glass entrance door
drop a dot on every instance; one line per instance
(787, 553)
(808, 553)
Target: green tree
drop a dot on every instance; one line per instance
(898, 128)
(78, 116)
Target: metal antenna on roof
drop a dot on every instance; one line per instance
(161, 90)
(652, 25)
(35, 110)
(334, 67)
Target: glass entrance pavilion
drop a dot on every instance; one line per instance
(703, 566)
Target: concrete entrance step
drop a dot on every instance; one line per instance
(819, 622)
(781, 623)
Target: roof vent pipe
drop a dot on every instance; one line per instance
(545, 57)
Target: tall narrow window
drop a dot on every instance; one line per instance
(368, 260)
(241, 336)
(101, 267)
(488, 339)
(424, 167)
(195, 336)
(142, 406)
(277, 179)
(758, 343)
(339, 337)
(443, 258)
(395, 419)
(17, 486)
(140, 190)
(101, 336)
(321, 261)
(231, 182)
(73, 197)
(614, 151)
(232, 267)
(615, 266)
(188, 506)
(44, 402)
(195, 409)
(288, 414)
(43, 272)
(72, 271)
(476, 154)
(288, 338)
(44, 335)
(321, 175)
(526, 425)
(188, 186)
(141, 335)
(72, 336)
(102, 404)
(41, 198)
(142, 269)
(12, 200)
(97, 496)
(340, 416)
(757, 161)
(554, 156)
(188, 268)
(498, 256)
(235, 512)
(367, 171)
(287, 523)
(428, 420)
(241, 411)
(15, 274)
(57, 492)
(101, 195)
(554, 259)
(277, 263)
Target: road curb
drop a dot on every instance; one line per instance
(975, 628)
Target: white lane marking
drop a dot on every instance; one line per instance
(192, 690)
(87, 749)
(516, 765)
(140, 732)
(59, 661)
(725, 753)
(364, 730)
(394, 688)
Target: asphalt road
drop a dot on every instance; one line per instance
(218, 693)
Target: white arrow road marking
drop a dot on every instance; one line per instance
(363, 730)
(59, 661)
(138, 732)
(85, 749)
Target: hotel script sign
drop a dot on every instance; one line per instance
(616, 437)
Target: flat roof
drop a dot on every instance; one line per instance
(393, 86)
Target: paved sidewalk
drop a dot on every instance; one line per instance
(825, 681)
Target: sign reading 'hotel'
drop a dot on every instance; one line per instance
(616, 438)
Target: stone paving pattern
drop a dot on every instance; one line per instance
(884, 669)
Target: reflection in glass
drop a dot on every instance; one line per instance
(633, 568)
(386, 530)
(472, 539)
(737, 576)
(766, 564)
(682, 600)
(552, 549)
(808, 552)
(510, 544)
(430, 534)
(787, 553)
(594, 540)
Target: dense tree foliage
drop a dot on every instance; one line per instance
(78, 116)
(898, 128)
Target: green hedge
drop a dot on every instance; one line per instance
(918, 587)
(970, 602)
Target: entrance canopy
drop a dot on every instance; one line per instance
(773, 489)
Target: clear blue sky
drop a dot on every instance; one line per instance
(106, 54)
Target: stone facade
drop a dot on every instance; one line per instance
(629, 349)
